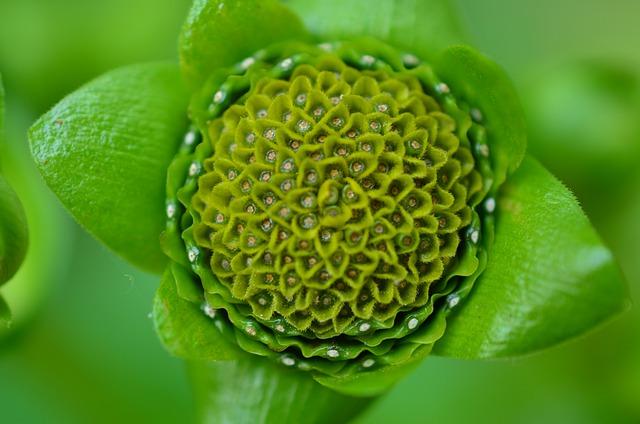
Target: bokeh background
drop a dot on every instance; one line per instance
(82, 348)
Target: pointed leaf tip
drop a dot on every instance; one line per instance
(420, 27)
(185, 330)
(104, 150)
(220, 33)
(549, 277)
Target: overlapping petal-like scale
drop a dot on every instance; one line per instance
(326, 202)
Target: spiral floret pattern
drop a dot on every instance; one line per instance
(326, 203)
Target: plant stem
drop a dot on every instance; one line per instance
(254, 390)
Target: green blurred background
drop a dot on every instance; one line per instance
(82, 348)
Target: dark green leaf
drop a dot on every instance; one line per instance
(485, 86)
(219, 33)
(13, 223)
(420, 27)
(13, 232)
(183, 327)
(1, 110)
(5, 313)
(549, 277)
(255, 390)
(104, 150)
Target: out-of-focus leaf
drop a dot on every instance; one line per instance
(184, 329)
(104, 150)
(255, 390)
(13, 232)
(421, 27)
(549, 277)
(5, 312)
(588, 112)
(486, 86)
(1, 110)
(219, 33)
(13, 224)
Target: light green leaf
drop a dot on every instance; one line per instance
(486, 86)
(183, 327)
(220, 33)
(549, 277)
(421, 27)
(104, 150)
(255, 390)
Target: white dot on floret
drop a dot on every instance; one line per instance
(209, 310)
(368, 363)
(333, 353)
(194, 169)
(288, 361)
(453, 300)
(365, 326)
(476, 114)
(192, 254)
(190, 138)
(368, 60)
(219, 96)
(490, 204)
(245, 64)
(171, 210)
(413, 323)
(483, 149)
(287, 63)
(442, 88)
(410, 60)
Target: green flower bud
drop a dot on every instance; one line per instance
(330, 207)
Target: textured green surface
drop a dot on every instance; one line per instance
(342, 199)
(219, 33)
(104, 150)
(360, 352)
(421, 27)
(549, 277)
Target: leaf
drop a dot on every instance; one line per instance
(1, 110)
(13, 232)
(104, 150)
(255, 390)
(421, 27)
(484, 85)
(220, 33)
(13, 224)
(588, 111)
(5, 313)
(183, 327)
(549, 277)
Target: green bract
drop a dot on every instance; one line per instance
(337, 200)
